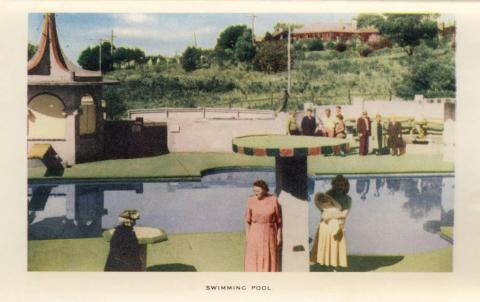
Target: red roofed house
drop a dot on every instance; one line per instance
(335, 31)
(64, 101)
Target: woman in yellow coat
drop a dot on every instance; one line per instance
(330, 247)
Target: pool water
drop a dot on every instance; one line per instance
(389, 215)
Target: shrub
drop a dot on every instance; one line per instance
(330, 45)
(365, 52)
(271, 57)
(191, 59)
(341, 47)
(315, 45)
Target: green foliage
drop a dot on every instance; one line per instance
(330, 45)
(341, 47)
(228, 38)
(308, 45)
(244, 48)
(124, 55)
(367, 20)
(281, 26)
(268, 37)
(315, 45)
(32, 49)
(271, 57)
(408, 30)
(88, 58)
(234, 44)
(115, 105)
(191, 58)
(428, 74)
(365, 52)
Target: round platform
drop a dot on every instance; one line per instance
(145, 235)
(286, 145)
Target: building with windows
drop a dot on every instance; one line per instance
(65, 107)
(335, 32)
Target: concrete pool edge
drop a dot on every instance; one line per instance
(208, 171)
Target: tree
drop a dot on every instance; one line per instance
(191, 59)
(228, 38)
(281, 26)
(408, 30)
(244, 48)
(115, 105)
(124, 55)
(430, 75)
(369, 20)
(32, 49)
(88, 58)
(271, 57)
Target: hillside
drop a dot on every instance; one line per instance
(317, 76)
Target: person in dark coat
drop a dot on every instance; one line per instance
(395, 140)
(364, 126)
(309, 124)
(124, 252)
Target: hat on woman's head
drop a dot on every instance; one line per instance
(130, 214)
(323, 201)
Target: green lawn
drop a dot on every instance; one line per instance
(207, 252)
(191, 165)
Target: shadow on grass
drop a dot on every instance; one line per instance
(171, 267)
(360, 264)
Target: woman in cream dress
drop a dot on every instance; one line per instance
(329, 247)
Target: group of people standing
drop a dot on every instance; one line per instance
(263, 228)
(378, 137)
(374, 136)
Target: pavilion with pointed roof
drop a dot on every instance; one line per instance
(65, 107)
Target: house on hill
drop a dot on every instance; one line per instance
(334, 32)
(65, 110)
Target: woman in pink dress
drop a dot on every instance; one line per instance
(263, 230)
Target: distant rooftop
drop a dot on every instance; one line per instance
(333, 27)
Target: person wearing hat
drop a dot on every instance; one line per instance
(329, 247)
(124, 252)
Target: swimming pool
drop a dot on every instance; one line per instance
(390, 214)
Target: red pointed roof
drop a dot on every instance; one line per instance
(50, 65)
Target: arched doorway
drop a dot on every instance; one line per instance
(46, 117)
(88, 117)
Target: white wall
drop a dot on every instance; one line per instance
(419, 108)
(211, 129)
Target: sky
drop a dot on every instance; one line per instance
(164, 34)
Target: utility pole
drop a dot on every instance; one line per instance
(194, 39)
(112, 36)
(100, 56)
(289, 84)
(253, 16)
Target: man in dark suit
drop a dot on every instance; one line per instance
(364, 126)
(309, 124)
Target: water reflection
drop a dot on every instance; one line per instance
(400, 215)
(389, 215)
